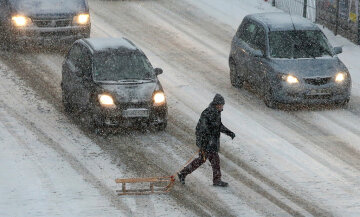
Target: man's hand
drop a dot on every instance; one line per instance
(232, 135)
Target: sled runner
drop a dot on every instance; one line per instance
(157, 185)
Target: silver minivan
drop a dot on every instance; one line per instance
(289, 60)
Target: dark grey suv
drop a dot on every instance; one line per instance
(288, 60)
(113, 83)
(44, 21)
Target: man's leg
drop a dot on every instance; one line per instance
(215, 164)
(196, 163)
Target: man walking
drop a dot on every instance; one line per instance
(208, 132)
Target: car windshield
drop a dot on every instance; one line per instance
(298, 44)
(48, 6)
(119, 66)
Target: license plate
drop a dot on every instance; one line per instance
(319, 92)
(135, 113)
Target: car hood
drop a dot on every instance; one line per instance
(131, 92)
(320, 67)
(39, 12)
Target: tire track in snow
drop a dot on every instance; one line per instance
(73, 162)
(199, 67)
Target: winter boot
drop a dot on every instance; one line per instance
(221, 184)
(181, 178)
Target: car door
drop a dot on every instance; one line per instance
(243, 50)
(258, 63)
(85, 84)
(72, 74)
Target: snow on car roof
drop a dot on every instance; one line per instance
(102, 44)
(282, 21)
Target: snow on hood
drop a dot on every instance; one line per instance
(37, 7)
(322, 67)
(131, 93)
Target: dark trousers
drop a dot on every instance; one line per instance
(196, 163)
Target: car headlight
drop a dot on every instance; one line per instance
(290, 79)
(159, 98)
(340, 77)
(106, 100)
(20, 21)
(82, 19)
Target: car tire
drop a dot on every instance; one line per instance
(235, 79)
(68, 108)
(269, 98)
(161, 126)
(5, 42)
(344, 103)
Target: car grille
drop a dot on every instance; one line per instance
(318, 81)
(135, 105)
(327, 96)
(56, 34)
(52, 23)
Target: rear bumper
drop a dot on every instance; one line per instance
(50, 35)
(312, 94)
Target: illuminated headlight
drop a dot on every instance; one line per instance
(290, 79)
(106, 100)
(20, 21)
(82, 19)
(340, 77)
(159, 98)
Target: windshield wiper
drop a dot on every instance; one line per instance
(328, 52)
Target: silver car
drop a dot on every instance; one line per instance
(289, 60)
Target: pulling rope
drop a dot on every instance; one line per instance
(187, 163)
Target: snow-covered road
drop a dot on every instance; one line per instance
(298, 163)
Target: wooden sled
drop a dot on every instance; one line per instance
(167, 182)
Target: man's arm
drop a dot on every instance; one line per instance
(228, 132)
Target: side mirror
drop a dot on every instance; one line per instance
(338, 50)
(258, 53)
(158, 71)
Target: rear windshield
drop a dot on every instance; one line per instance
(50, 6)
(118, 66)
(298, 44)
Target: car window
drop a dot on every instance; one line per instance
(86, 62)
(248, 32)
(117, 66)
(75, 55)
(258, 42)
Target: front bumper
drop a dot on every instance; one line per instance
(50, 35)
(114, 117)
(313, 94)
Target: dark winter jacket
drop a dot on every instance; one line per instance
(209, 127)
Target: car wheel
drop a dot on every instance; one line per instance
(344, 103)
(161, 126)
(68, 108)
(5, 42)
(235, 79)
(269, 98)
